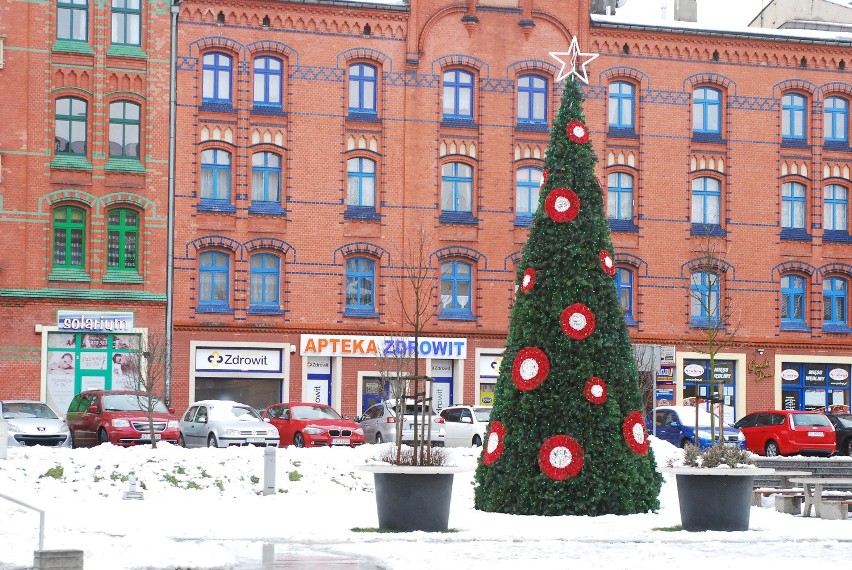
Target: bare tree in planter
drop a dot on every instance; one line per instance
(149, 376)
(395, 369)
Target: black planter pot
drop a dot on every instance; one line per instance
(715, 502)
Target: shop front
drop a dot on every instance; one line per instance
(809, 383)
(718, 385)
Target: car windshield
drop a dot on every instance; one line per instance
(131, 403)
(482, 414)
(232, 413)
(845, 421)
(411, 409)
(704, 419)
(20, 410)
(314, 413)
(809, 420)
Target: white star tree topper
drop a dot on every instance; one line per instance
(570, 58)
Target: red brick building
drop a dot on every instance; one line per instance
(316, 140)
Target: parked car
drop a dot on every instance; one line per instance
(465, 425)
(676, 424)
(379, 423)
(788, 432)
(119, 417)
(29, 422)
(843, 432)
(307, 424)
(223, 423)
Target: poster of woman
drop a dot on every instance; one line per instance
(125, 371)
(60, 380)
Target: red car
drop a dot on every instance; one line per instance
(119, 417)
(788, 432)
(306, 424)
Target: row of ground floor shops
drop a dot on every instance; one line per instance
(352, 372)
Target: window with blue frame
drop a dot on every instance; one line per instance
(264, 281)
(213, 280)
(527, 187)
(792, 301)
(622, 105)
(456, 287)
(360, 285)
(836, 120)
(793, 117)
(268, 81)
(72, 20)
(458, 95)
(704, 298)
(265, 177)
(706, 201)
(456, 187)
(624, 290)
(216, 78)
(362, 88)
(71, 126)
(215, 175)
(619, 198)
(532, 99)
(834, 302)
(836, 209)
(124, 129)
(127, 22)
(793, 206)
(707, 111)
(361, 182)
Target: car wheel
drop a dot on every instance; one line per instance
(772, 449)
(211, 440)
(379, 438)
(181, 441)
(298, 440)
(686, 441)
(477, 441)
(102, 436)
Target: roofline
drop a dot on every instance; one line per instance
(354, 5)
(727, 34)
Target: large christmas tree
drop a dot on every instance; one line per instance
(567, 434)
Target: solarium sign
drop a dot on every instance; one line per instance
(95, 321)
(382, 346)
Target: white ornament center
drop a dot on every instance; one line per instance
(529, 368)
(493, 442)
(577, 322)
(527, 280)
(597, 390)
(562, 204)
(579, 132)
(560, 457)
(638, 433)
(608, 261)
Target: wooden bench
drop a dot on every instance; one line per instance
(786, 500)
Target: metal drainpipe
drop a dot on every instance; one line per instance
(170, 251)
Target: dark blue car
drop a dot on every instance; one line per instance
(676, 424)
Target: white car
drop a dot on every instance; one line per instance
(223, 423)
(33, 423)
(464, 426)
(379, 423)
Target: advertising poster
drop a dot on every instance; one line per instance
(60, 379)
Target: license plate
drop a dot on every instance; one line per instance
(254, 440)
(340, 442)
(148, 436)
(816, 434)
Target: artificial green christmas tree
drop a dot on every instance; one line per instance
(566, 435)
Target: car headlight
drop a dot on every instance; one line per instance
(13, 428)
(704, 434)
(173, 424)
(358, 431)
(313, 430)
(120, 423)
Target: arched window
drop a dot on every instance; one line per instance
(834, 302)
(707, 111)
(264, 280)
(362, 88)
(706, 201)
(265, 177)
(122, 240)
(836, 209)
(836, 120)
(213, 280)
(124, 123)
(624, 289)
(622, 105)
(532, 99)
(268, 81)
(456, 289)
(527, 187)
(458, 94)
(793, 117)
(69, 237)
(704, 297)
(360, 285)
(793, 206)
(792, 300)
(71, 126)
(215, 175)
(361, 182)
(456, 187)
(619, 201)
(216, 72)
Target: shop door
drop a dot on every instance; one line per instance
(372, 391)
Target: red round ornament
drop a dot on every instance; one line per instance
(577, 132)
(530, 368)
(578, 321)
(562, 205)
(528, 280)
(607, 264)
(493, 443)
(635, 434)
(595, 390)
(560, 457)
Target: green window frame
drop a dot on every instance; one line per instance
(69, 237)
(124, 127)
(122, 240)
(72, 20)
(71, 126)
(126, 22)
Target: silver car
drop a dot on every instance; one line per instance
(30, 423)
(223, 423)
(379, 423)
(465, 425)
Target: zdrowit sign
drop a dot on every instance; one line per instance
(227, 359)
(382, 346)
